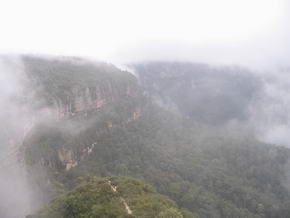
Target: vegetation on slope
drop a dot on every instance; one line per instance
(203, 170)
(119, 197)
(212, 95)
(213, 172)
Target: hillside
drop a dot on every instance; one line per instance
(210, 170)
(206, 94)
(111, 197)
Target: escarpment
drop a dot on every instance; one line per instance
(76, 102)
(74, 93)
(67, 87)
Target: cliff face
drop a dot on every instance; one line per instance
(74, 103)
(66, 87)
(72, 88)
(83, 100)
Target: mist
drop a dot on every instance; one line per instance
(260, 102)
(270, 114)
(223, 64)
(262, 107)
(14, 120)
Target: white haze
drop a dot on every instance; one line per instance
(271, 117)
(248, 32)
(14, 191)
(251, 33)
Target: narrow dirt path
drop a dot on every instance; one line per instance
(114, 189)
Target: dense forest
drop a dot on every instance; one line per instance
(171, 129)
(110, 197)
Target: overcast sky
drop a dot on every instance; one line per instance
(249, 32)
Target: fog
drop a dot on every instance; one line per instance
(271, 116)
(251, 35)
(267, 115)
(14, 118)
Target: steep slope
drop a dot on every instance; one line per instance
(64, 87)
(72, 99)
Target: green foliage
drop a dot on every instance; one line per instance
(95, 198)
(48, 137)
(170, 213)
(208, 173)
(211, 171)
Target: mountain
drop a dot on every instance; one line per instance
(211, 95)
(166, 126)
(74, 102)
